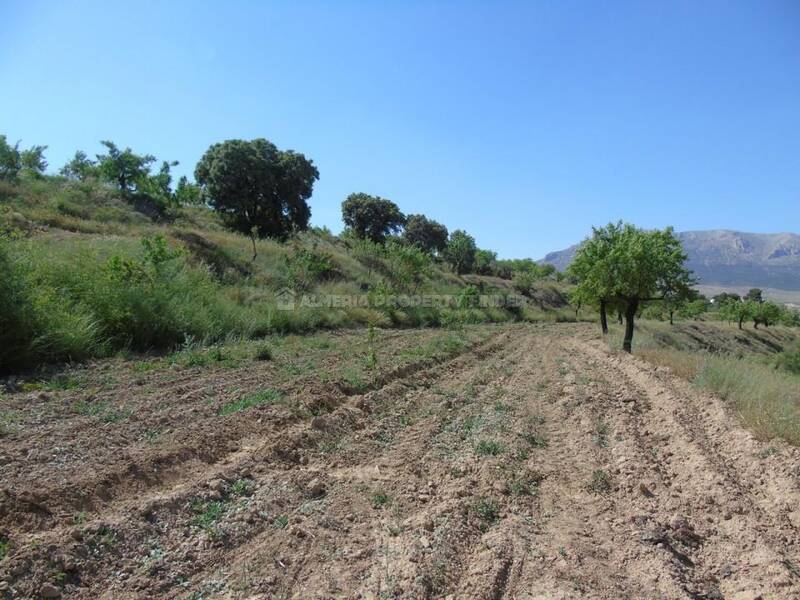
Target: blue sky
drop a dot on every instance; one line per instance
(522, 122)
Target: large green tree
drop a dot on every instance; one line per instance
(80, 167)
(124, 168)
(460, 251)
(14, 161)
(258, 189)
(630, 266)
(594, 272)
(371, 217)
(425, 233)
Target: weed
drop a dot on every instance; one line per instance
(242, 487)
(90, 409)
(600, 482)
(536, 440)
(379, 499)
(487, 510)
(263, 352)
(5, 546)
(280, 522)
(207, 513)
(527, 484)
(489, 448)
(600, 435)
(79, 518)
(266, 396)
(523, 454)
(767, 452)
(503, 408)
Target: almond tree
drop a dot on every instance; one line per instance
(628, 266)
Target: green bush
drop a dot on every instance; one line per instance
(80, 302)
(789, 359)
(305, 267)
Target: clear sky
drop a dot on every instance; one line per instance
(522, 122)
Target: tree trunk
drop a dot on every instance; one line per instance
(740, 322)
(670, 318)
(603, 318)
(619, 316)
(630, 315)
(255, 252)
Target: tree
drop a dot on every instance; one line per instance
(460, 251)
(692, 309)
(9, 160)
(755, 294)
(725, 297)
(371, 217)
(14, 161)
(32, 160)
(766, 313)
(80, 167)
(123, 168)
(624, 264)
(484, 259)
(425, 233)
(187, 194)
(259, 190)
(594, 272)
(158, 187)
(737, 310)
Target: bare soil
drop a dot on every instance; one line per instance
(523, 462)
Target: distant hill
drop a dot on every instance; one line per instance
(731, 259)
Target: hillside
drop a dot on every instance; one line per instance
(731, 259)
(91, 272)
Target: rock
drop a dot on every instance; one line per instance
(3, 586)
(645, 491)
(315, 488)
(48, 590)
(425, 542)
(428, 525)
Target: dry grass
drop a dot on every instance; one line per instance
(741, 371)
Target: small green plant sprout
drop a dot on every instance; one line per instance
(259, 398)
(380, 499)
(487, 510)
(489, 448)
(207, 513)
(600, 482)
(600, 435)
(535, 439)
(280, 522)
(242, 487)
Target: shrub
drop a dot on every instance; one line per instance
(305, 267)
(789, 359)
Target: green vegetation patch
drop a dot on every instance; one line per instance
(266, 396)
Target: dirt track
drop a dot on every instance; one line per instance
(533, 463)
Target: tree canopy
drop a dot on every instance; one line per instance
(623, 264)
(259, 190)
(425, 233)
(460, 251)
(371, 217)
(14, 161)
(126, 169)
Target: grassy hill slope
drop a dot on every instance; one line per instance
(91, 273)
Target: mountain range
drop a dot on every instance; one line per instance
(723, 259)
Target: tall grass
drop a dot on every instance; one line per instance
(765, 397)
(767, 400)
